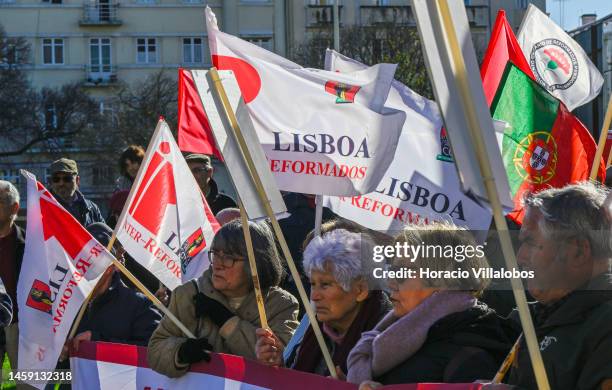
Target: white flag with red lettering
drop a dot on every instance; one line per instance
(166, 224)
(61, 265)
(421, 184)
(322, 132)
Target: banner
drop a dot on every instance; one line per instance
(559, 63)
(421, 184)
(233, 154)
(166, 224)
(61, 265)
(194, 133)
(322, 132)
(453, 71)
(117, 366)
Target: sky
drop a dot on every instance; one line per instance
(569, 18)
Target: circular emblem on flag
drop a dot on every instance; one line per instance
(554, 64)
(535, 157)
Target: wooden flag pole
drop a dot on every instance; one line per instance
(219, 91)
(79, 318)
(503, 369)
(460, 73)
(251, 255)
(603, 136)
(318, 215)
(141, 287)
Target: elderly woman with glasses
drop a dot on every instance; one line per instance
(438, 330)
(220, 309)
(342, 301)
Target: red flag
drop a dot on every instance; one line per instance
(503, 47)
(194, 133)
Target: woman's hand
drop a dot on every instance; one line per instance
(268, 349)
(83, 336)
(208, 307)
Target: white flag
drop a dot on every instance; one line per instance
(322, 132)
(558, 62)
(61, 265)
(166, 224)
(421, 184)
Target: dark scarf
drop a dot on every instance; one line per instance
(372, 310)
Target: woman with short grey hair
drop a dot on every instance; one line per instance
(344, 306)
(438, 330)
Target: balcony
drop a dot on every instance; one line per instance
(321, 15)
(478, 15)
(100, 13)
(400, 15)
(102, 75)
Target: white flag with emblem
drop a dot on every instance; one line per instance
(322, 132)
(558, 62)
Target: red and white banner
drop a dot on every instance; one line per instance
(166, 224)
(194, 133)
(61, 265)
(117, 366)
(421, 184)
(322, 132)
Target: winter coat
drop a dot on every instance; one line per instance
(120, 315)
(84, 210)
(217, 201)
(281, 311)
(460, 348)
(575, 338)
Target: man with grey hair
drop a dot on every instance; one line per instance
(566, 242)
(12, 245)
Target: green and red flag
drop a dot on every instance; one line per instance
(544, 145)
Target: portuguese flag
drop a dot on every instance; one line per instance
(544, 145)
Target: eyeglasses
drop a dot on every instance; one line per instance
(222, 259)
(65, 179)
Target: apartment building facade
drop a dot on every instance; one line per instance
(104, 43)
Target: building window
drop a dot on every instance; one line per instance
(52, 1)
(146, 50)
(265, 42)
(522, 4)
(193, 1)
(50, 117)
(103, 175)
(100, 56)
(192, 50)
(11, 175)
(53, 51)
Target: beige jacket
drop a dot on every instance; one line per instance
(236, 336)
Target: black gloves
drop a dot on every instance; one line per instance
(194, 350)
(208, 307)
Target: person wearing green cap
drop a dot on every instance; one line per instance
(202, 169)
(64, 185)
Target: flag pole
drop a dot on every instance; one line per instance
(503, 369)
(603, 136)
(318, 215)
(122, 268)
(251, 255)
(141, 287)
(336, 14)
(460, 73)
(219, 91)
(79, 318)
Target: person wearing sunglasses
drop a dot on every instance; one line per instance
(64, 185)
(220, 309)
(202, 169)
